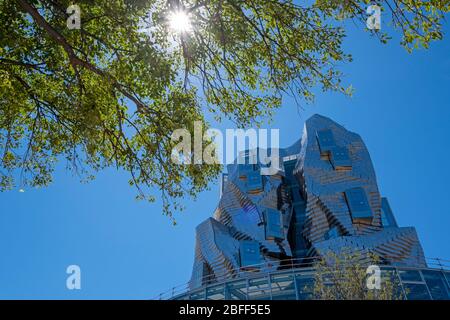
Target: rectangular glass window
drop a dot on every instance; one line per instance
(387, 214)
(326, 140)
(340, 158)
(447, 277)
(258, 289)
(199, 295)
(358, 203)
(390, 274)
(416, 291)
(215, 293)
(305, 285)
(410, 275)
(244, 170)
(384, 220)
(250, 254)
(436, 284)
(254, 182)
(236, 290)
(283, 287)
(274, 226)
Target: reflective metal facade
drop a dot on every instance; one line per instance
(325, 197)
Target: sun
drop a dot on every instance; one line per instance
(179, 22)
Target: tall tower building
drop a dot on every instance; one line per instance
(324, 197)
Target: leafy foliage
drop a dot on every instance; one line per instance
(112, 92)
(343, 277)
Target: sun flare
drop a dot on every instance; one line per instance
(179, 22)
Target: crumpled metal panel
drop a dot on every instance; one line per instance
(327, 209)
(216, 253)
(240, 216)
(328, 226)
(397, 246)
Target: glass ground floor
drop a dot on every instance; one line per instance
(412, 284)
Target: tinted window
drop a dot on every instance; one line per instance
(387, 214)
(199, 295)
(249, 253)
(244, 170)
(384, 220)
(236, 290)
(274, 228)
(390, 274)
(283, 287)
(258, 289)
(436, 284)
(305, 285)
(410, 275)
(254, 181)
(326, 140)
(358, 203)
(416, 291)
(340, 158)
(215, 293)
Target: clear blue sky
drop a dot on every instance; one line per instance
(127, 249)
